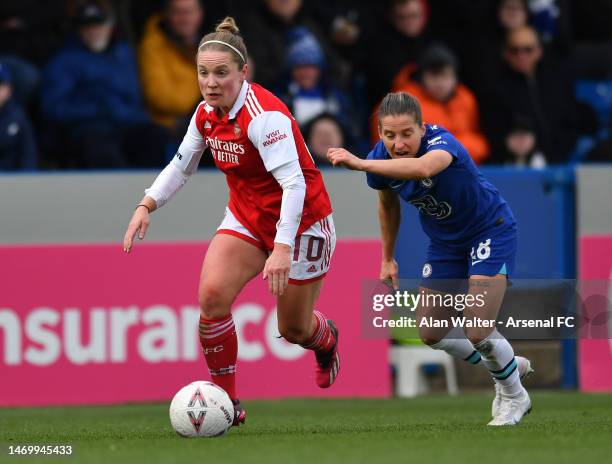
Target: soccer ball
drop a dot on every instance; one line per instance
(201, 409)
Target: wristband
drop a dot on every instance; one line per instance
(148, 209)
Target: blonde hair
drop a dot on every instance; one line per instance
(226, 38)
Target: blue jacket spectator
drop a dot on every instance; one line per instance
(17, 142)
(91, 96)
(84, 85)
(308, 92)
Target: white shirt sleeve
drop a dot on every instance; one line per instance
(271, 134)
(291, 180)
(185, 162)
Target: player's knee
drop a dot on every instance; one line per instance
(213, 304)
(429, 337)
(295, 334)
(429, 341)
(475, 336)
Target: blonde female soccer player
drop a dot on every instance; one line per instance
(472, 235)
(278, 220)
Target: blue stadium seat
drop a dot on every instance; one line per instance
(598, 95)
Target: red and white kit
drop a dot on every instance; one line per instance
(276, 192)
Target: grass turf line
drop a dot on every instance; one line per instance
(563, 428)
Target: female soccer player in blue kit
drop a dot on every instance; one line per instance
(472, 233)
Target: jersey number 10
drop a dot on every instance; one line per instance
(313, 242)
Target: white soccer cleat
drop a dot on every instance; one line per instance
(525, 370)
(512, 409)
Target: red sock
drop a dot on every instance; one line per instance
(322, 340)
(220, 347)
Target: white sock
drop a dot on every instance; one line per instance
(455, 344)
(498, 356)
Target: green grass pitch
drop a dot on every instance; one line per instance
(562, 428)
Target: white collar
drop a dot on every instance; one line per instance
(239, 103)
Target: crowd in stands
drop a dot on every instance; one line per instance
(98, 84)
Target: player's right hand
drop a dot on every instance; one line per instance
(389, 273)
(138, 224)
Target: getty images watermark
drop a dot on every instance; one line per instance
(528, 309)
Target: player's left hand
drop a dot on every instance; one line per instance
(342, 157)
(138, 225)
(277, 267)
(389, 272)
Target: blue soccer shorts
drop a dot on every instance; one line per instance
(490, 254)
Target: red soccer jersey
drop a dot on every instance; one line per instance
(256, 136)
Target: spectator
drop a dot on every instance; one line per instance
(402, 37)
(483, 25)
(31, 29)
(269, 29)
(27, 78)
(308, 91)
(520, 146)
(551, 19)
(140, 11)
(534, 87)
(166, 57)
(91, 95)
(29, 32)
(512, 14)
(486, 37)
(17, 143)
(345, 21)
(322, 133)
(446, 101)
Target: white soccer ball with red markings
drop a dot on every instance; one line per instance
(201, 409)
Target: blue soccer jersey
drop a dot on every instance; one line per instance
(456, 205)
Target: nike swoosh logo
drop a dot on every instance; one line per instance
(476, 262)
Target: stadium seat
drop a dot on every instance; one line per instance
(409, 360)
(598, 95)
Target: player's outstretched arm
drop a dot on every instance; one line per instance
(389, 215)
(427, 165)
(139, 223)
(169, 181)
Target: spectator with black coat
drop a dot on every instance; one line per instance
(268, 30)
(531, 86)
(401, 38)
